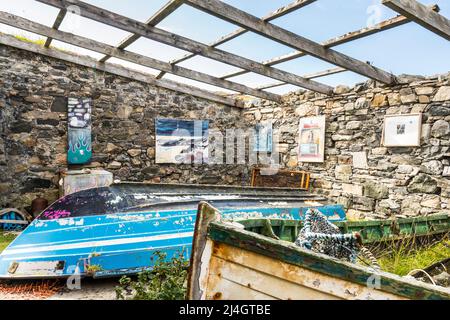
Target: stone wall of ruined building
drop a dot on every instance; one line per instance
(401, 181)
(33, 127)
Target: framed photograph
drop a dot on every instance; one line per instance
(263, 137)
(312, 139)
(402, 130)
(181, 141)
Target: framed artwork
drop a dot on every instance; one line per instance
(312, 139)
(181, 141)
(263, 137)
(402, 130)
(79, 131)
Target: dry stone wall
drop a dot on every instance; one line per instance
(33, 127)
(401, 181)
(396, 181)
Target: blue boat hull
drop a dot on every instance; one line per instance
(118, 243)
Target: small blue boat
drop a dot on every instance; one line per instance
(115, 230)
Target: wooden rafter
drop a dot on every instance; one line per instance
(59, 19)
(307, 76)
(298, 4)
(271, 31)
(153, 33)
(117, 70)
(348, 37)
(422, 15)
(31, 26)
(159, 16)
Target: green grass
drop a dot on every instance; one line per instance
(5, 239)
(403, 258)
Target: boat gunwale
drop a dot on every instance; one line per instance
(290, 253)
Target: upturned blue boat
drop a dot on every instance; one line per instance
(115, 230)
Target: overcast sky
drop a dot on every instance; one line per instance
(406, 49)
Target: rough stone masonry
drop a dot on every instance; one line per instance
(401, 181)
(370, 180)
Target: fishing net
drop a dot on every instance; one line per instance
(320, 235)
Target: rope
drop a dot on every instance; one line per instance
(424, 272)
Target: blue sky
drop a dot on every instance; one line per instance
(406, 49)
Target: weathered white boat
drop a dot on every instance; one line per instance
(230, 263)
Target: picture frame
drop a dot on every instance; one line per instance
(402, 130)
(181, 141)
(311, 144)
(263, 137)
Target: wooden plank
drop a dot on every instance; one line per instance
(271, 31)
(93, 45)
(292, 254)
(307, 76)
(422, 15)
(282, 178)
(59, 19)
(201, 252)
(298, 4)
(117, 70)
(285, 281)
(155, 19)
(348, 37)
(133, 26)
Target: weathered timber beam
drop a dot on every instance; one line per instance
(348, 37)
(159, 16)
(298, 4)
(31, 26)
(422, 15)
(133, 26)
(59, 19)
(245, 20)
(307, 76)
(11, 41)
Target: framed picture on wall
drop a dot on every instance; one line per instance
(402, 130)
(312, 139)
(181, 141)
(263, 137)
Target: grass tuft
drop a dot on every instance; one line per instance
(5, 239)
(401, 258)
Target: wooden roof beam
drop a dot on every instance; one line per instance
(153, 33)
(348, 37)
(159, 16)
(59, 19)
(271, 31)
(117, 70)
(423, 15)
(298, 4)
(314, 75)
(31, 26)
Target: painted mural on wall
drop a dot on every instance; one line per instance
(263, 137)
(312, 139)
(181, 141)
(79, 131)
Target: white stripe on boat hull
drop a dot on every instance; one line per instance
(102, 243)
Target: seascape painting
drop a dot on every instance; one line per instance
(181, 141)
(79, 131)
(312, 139)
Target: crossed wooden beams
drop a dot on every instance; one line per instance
(423, 15)
(219, 9)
